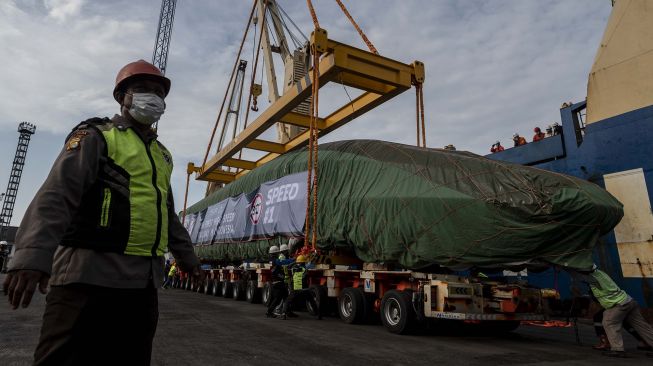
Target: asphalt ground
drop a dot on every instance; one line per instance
(198, 329)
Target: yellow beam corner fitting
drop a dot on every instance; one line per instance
(320, 39)
(420, 72)
(190, 169)
(380, 79)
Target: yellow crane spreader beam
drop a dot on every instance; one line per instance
(379, 77)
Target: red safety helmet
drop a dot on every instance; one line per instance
(140, 68)
(537, 130)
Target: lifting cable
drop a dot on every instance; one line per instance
(312, 160)
(251, 95)
(226, 93)
(360, 31)
(419, 90)
(258, 52)
(419, 109)
(183, 213)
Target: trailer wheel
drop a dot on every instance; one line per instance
(239, 291)
(253, 294)
(217, 288)
(208, 287)
(227, 290)
(266, 293)
(397, 313)
(319, 294)
(351, 305)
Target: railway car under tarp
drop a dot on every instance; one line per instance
(409, 206)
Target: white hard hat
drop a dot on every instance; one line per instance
(274, 249)
(283, 247)
(515, 135)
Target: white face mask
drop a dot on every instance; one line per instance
(146, 108)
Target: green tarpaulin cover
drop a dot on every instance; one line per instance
(415, 207)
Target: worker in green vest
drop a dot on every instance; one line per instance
(170, 276)
(619, 306)
(298, 290)
(97, 231)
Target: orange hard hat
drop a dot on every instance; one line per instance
(140, 68)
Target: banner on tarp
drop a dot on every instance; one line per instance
(275, 208)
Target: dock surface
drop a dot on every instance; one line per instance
(199, 329)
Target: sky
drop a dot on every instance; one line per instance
(493, 68)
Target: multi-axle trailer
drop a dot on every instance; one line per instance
(403, 300)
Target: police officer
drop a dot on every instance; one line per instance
(97, 230)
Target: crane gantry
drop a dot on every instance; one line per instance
(379, 78)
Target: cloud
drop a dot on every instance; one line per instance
(62, 9)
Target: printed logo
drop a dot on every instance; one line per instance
(256, 208)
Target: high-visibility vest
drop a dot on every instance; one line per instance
(298, 278)
(126, 210)
(605, 290)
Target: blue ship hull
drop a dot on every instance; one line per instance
(616, 144)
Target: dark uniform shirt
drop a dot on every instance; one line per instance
(51, 212)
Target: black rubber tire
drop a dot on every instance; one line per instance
(266, 294)
(238, 291)
(319, 294)
(351, 305)
(208, 287)
(253, 293)
(227, 290)
(217, 287)
(397, 313)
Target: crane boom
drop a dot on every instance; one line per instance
(163, 34)
(26, 130)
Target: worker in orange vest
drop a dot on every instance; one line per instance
(518, 140)
(539, 135)
(496, 147)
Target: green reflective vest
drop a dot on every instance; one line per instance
(298, 278)
(605, 290)
(126, 210)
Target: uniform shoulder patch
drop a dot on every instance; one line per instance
(75, 139)
(166, 154)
